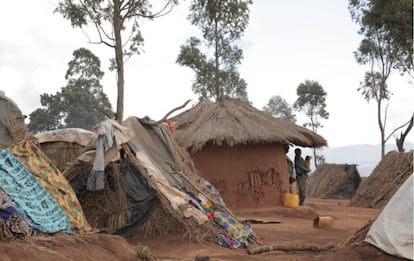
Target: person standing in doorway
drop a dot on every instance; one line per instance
(301, 175)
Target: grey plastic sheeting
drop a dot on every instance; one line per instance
(392, 231)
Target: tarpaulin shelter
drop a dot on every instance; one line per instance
(333, 181)
(240, 149)
(392, 231)
(134, 179)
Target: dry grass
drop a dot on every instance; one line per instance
(107, 208)
(17, 130)
(230, 122)
(376, 190)
(333, 181)
(62, 154)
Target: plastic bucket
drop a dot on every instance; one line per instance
(291, 200)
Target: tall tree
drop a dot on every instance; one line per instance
(76, 105)
(312, 102)
(222, 23)
(280, 108)
(113, 20)
(386, 27)
(395, 21)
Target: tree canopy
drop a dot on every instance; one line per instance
(118, 27)
(75, 106)
(387, 45)
(280, 108)
(222, 24)
(389, 23)
(312, 102)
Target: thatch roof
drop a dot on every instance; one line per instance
(333, 181)
(231, 122)
(387, 177)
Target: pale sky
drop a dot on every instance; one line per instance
(286, 43)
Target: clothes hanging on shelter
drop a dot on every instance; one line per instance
(96, 180)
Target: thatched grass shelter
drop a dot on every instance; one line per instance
(387, 177)
(334, 181)
(240, 149)
(150, 185)
(63, 146)
(12, 126)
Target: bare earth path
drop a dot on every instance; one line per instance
(295, 227)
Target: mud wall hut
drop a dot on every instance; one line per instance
(240, 150)
(334, 181)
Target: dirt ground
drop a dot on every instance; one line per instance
(295, 227)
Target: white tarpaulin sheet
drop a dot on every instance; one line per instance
(392, 231)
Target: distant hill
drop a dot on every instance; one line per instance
(365, 156)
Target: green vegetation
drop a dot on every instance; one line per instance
(117, 25)
(280, 108)
(75, 106)
(312, 102)
(144, 252)
(222, 24)
(387, 45)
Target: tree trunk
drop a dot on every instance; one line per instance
(400, 141)
(381, 127)
(217, 82)
(119, 61)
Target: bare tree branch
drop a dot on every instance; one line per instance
(402, 126)
(169, 113)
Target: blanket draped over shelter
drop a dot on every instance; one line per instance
(13, 224)
(30, 197)
(54, 183)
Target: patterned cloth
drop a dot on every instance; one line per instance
(211, 189)
(30, 197)
(54, 182)
(7, 207)
(239, 232)
(14, 225)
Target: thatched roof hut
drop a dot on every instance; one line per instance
(390, 173)
(233, 123)
(240, 149)
(333, 181)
